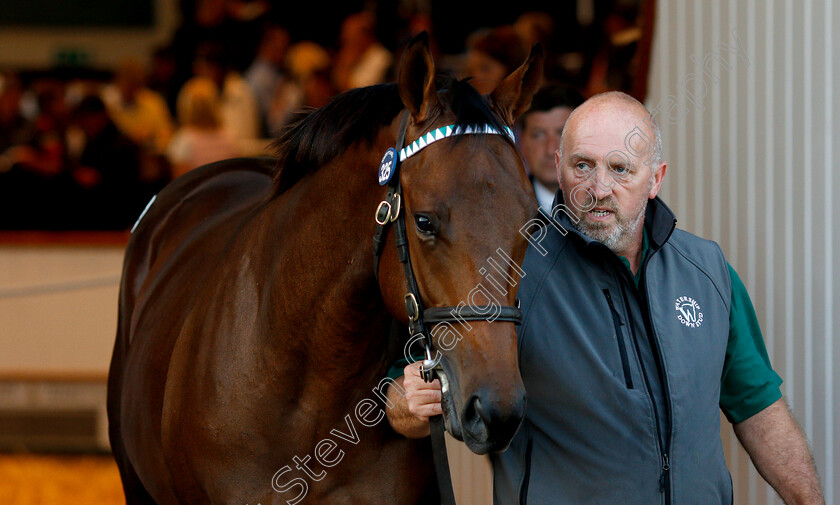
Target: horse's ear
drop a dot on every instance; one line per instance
(417, 79)
(513, 96)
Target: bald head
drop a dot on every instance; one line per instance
(615, 108)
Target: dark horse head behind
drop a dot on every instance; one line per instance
(253, 330)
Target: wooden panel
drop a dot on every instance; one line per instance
(472, 477)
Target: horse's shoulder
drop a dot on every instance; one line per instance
(209, 192)
(250, 174)
(192, 221)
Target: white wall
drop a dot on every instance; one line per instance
(752, 145)
(58, 310)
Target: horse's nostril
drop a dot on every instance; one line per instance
(485, 423)
(469, 413)
(479, 412)
(474, 414)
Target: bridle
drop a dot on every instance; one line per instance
(390, 212)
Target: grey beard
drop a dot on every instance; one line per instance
(616, 238)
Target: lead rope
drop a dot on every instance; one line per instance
(444, 477)
(390, 211)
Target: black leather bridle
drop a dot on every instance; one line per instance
(391, 212)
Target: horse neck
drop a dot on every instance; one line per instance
(327, 226)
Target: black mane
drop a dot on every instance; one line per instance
(319, 135)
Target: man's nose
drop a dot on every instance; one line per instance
(601, 184)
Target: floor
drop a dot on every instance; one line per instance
(27, 479)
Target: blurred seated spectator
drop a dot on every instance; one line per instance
(12, 123)
(239, 113)
(361, 59)
(140, 113)
(308, 84)
(200, 138)
(107, 174)
(163, 76)
(267, 72)
(246, 11)
(39, 145)
(492, 54)
(613, 65)
(245, 20)
(310, 65)
(33, 179)
(535, 26)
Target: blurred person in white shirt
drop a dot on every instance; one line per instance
(539, 137)
(200, 139)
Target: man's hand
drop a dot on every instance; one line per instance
(410, 415)
(780, 453)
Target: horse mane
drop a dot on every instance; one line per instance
(317, 136)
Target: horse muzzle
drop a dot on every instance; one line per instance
(486, 422)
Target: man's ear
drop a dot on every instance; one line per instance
(513, 96)
(416, 80)
(658, 176)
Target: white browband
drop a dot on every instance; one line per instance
(449, 131)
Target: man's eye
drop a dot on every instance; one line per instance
(620, 169)
(583, 167)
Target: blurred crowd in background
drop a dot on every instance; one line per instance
(85, 148)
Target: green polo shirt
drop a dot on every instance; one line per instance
(645, 247)
(748, 383)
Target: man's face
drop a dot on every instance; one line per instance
(540, 139)
(605, 191)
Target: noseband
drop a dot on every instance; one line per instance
(391, 211)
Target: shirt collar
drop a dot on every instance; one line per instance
(626, 262)
(545, 197)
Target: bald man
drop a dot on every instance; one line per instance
(635, 336)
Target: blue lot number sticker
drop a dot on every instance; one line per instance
(386, 166)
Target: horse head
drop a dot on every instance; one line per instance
(465, 198)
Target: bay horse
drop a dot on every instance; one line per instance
(253, 331)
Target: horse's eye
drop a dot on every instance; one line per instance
(424, 224)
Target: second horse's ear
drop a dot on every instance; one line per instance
(417, 79)
(513, 96)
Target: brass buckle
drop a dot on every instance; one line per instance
(382, 221)
(411, 307)
(395, 210)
